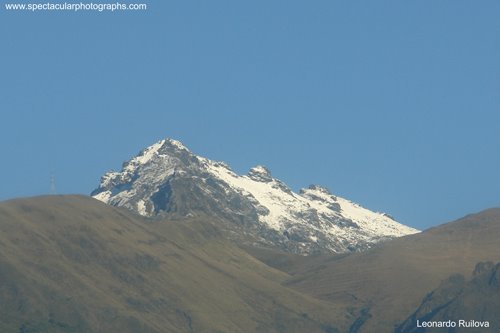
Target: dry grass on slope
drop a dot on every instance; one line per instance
(73, 264)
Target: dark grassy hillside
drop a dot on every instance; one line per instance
(73, 264)
(457, 299)
(388, 283)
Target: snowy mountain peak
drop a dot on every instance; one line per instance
(319, 188)
(316, 190)
(260, 173)
(174, 144)
(320, 194)
(166, 178)
(147, 154)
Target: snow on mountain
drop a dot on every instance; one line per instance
(166, 178)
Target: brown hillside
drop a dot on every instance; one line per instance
(73, 264)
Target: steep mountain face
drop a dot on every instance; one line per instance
(463, 306)
(166, 178)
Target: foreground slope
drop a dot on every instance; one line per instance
(74, 264)
(390, 281)
(167, 179)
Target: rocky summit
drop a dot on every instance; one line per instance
(166, 179)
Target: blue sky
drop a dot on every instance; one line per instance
(392, 104)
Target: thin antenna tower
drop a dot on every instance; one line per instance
(52, 184)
